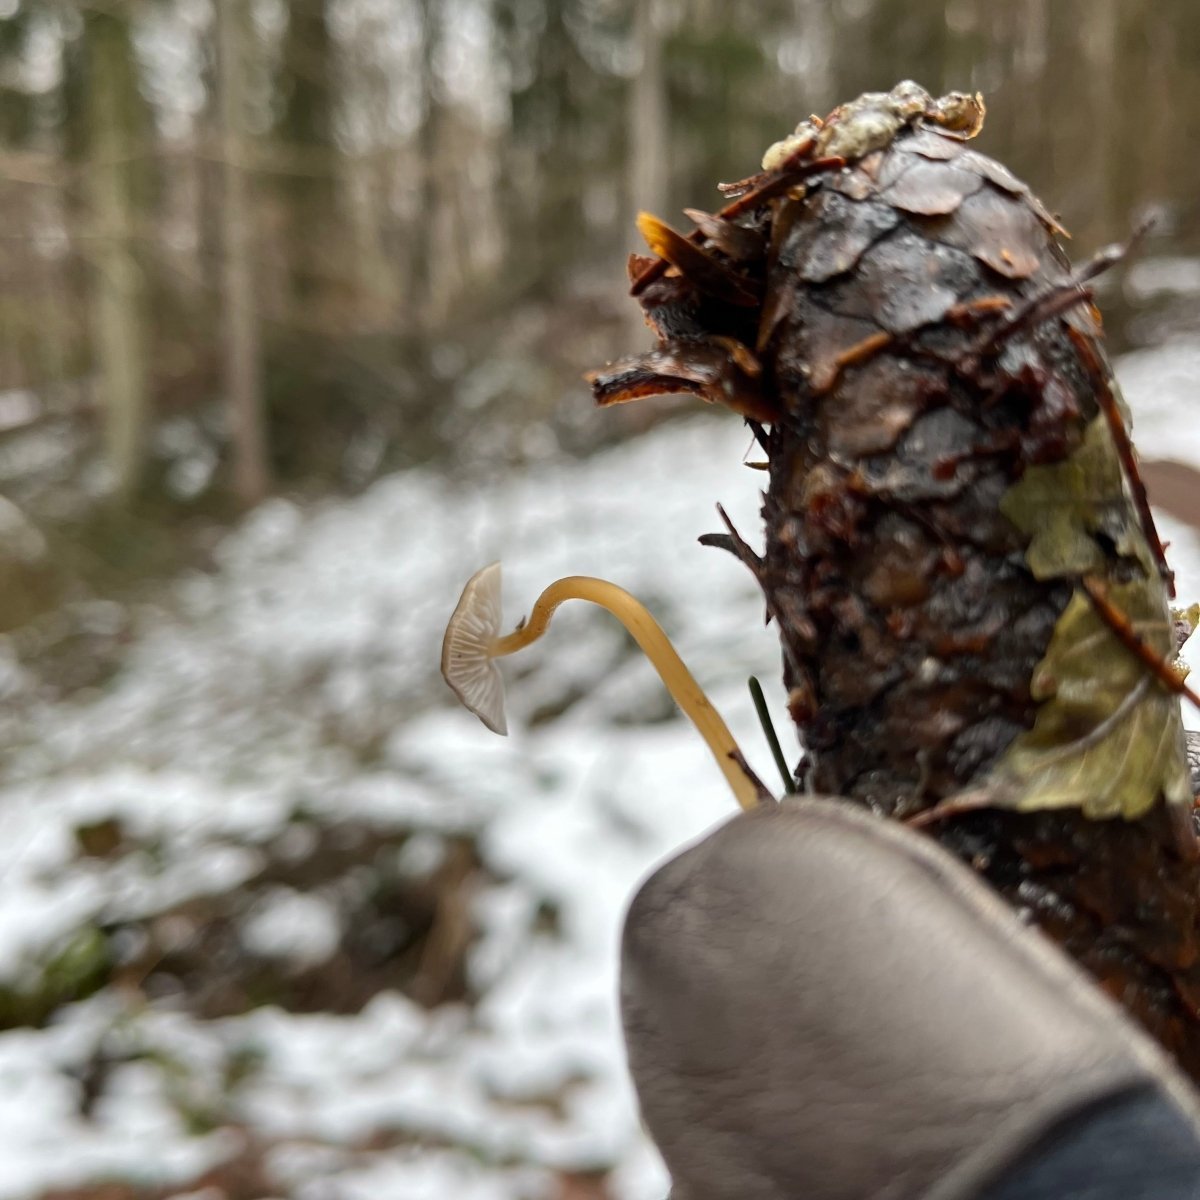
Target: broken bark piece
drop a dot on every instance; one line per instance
(718, 370)
(995, 228)
(932, 189)
(904, 283)
(736, 241)
(832, 235)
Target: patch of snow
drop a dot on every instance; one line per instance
(133, 1134)
(291, 925)
(300, 681)
(1148, 278)
(1161, 387)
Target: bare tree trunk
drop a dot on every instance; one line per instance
(647, 117)
(118, 286)
(1104, 54)
(445, 278)
(240, 335)
(375, 276)
(308, 68)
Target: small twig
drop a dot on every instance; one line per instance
(1058, 297)
(1125, 453)
(720, 541)
(859, 353)
(745, 554)
(764, 795)
(768, 728)
(740, 547)
(1125, 633)
(876, 343)
(953, 806)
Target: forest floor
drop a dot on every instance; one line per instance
(277, 919)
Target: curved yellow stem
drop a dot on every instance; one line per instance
(649, 635)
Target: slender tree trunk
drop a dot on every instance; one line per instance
(376, 301)
(1101, 46)
(647, 119)
(648, 115)
(117, 293)
(308, 68)
(241, 357)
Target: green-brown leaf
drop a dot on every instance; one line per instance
(1064, 506)
(1082, 682)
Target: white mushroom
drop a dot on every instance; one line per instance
(472, 643)
(467, 662)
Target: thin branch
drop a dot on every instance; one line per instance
(1129, 637)
(1125, 453)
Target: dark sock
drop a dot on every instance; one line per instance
(1133, 1147)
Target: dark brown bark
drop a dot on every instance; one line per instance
(917, 343)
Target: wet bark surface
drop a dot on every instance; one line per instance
(914, 343)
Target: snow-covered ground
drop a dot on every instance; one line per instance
(294, 692)
(242, 707)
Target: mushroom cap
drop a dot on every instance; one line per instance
(467, 666)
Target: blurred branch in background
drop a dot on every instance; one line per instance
(111, 110)
(313, 242)
(242, 347)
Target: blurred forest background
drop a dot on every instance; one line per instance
(294, 301)
(263, 245)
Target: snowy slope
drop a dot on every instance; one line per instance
(295, 692)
